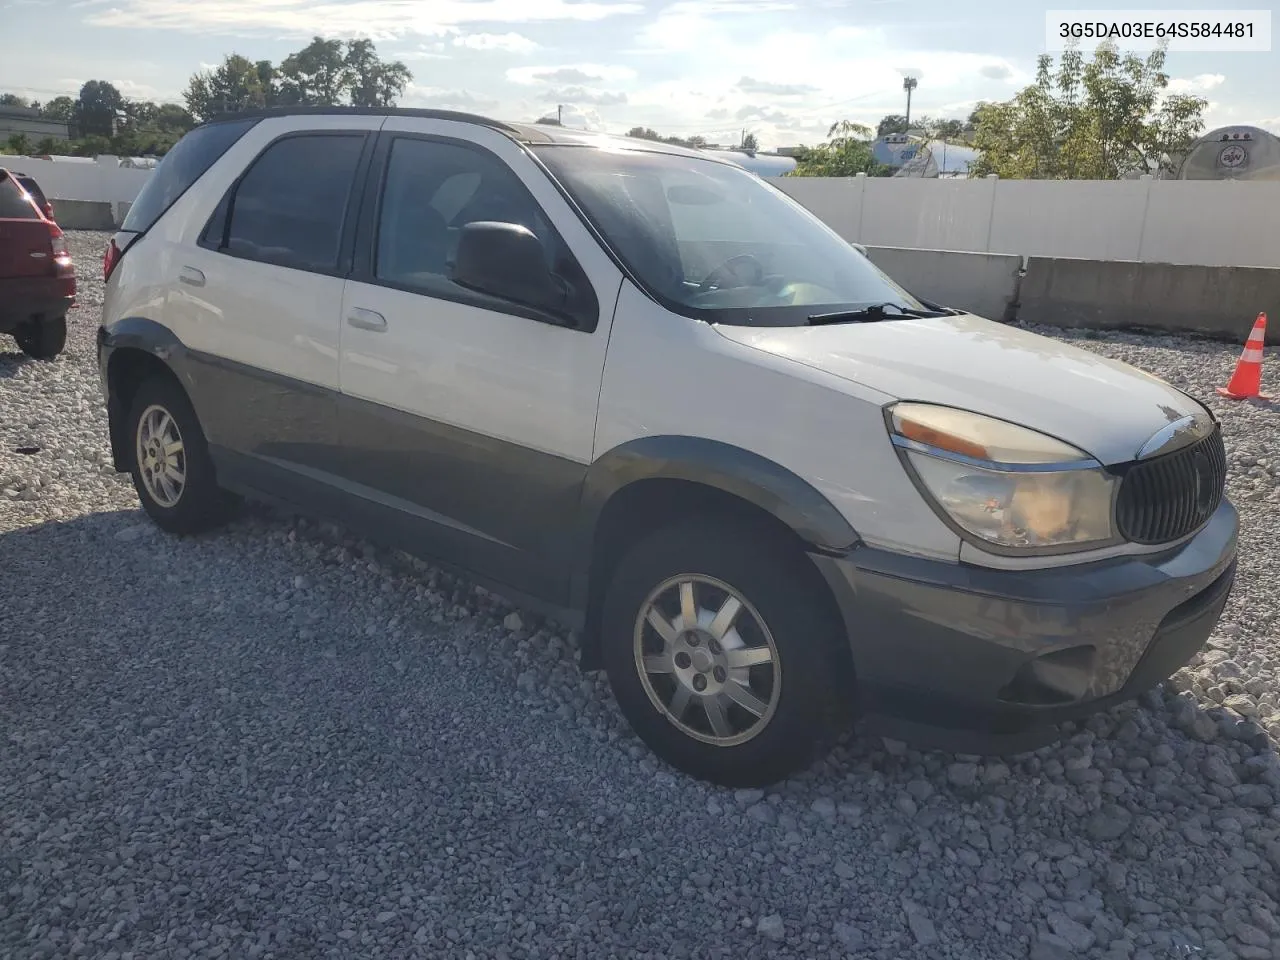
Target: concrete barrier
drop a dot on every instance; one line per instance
(1220, 302)
(982, 283)
(84, 214)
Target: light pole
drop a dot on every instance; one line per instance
(909, 84)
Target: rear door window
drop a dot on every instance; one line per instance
(181, 167)
(290, 207)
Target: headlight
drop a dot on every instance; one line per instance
(1010, 487)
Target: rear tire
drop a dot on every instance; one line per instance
(42, 339)
(745, 698)
(170, 463)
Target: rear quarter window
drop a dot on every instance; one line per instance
(181, 167)
(14, 204)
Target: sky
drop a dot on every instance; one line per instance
(784, 70)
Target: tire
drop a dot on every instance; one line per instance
(184, 496)
(798, 686)
(42, 339)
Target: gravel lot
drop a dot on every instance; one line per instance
(280, 742)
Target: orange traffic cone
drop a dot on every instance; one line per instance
(1246, 382)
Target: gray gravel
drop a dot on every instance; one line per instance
(280, 742)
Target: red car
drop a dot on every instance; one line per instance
(37, 277)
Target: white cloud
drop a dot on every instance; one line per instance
(580, 95)
(996, 71)
(446, 99)
(581, 118)
(377, 19)
(574, 73)
(505, 42)
(770, 89)
(1201, 83)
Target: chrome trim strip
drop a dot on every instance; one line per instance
(995, 467)
(1174, 436)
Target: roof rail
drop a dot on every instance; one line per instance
(425, 114)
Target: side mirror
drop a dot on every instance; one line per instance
(860, 248)
(506, 260)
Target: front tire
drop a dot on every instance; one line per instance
(170, 463)
(42, 339)
(722, 654)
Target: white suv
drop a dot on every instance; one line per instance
(643, 390)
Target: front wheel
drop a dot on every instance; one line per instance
(722, 654)
(42, 339)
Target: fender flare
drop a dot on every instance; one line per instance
(721, 466)
(146, 336)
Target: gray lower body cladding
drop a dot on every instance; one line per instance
(986, 661)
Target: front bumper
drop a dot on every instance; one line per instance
(984, 661)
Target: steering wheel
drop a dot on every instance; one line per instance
(726, 274)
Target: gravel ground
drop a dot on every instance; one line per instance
(280, 742)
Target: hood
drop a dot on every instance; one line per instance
(1106, 408)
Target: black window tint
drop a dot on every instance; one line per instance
(33, 189)
(290, 206)
(431, 191)
(14, 204)
(180, 168)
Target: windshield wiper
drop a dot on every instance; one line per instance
(877, 311)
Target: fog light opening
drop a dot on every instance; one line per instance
(1052, 679)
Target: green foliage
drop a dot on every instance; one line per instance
(846, 153)
(62, 109)
(323, 73)
(891, 123)
(19, 144)
(1087, 121)
(97, 109)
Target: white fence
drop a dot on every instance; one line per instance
(1207, 222)
(103, 180)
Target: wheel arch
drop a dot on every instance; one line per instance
(130, 351)
(635, 486)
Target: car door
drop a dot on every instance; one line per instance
(469, 420)
(258, 297)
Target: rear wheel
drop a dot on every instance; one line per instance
(721, 653)
(169, 460)
(42, 339)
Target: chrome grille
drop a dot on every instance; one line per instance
(1170, 496)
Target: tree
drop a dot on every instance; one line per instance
(324, 73)
(372, 82)
(97, 109)
(553, 121)
(749, 143)
(238, 84)
(13, 100)
(949, 129)
(20, 144)
(1099, 120)
(314, 76)
(47, 147)
(846, 153)
(891, 123)
(62, 109)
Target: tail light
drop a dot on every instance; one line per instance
(109, 259)
(48, 210)
(62, 263)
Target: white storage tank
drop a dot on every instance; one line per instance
(1233, 153)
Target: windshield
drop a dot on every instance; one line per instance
(712, 241)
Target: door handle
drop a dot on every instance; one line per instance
(366, 319)
(191, 277)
